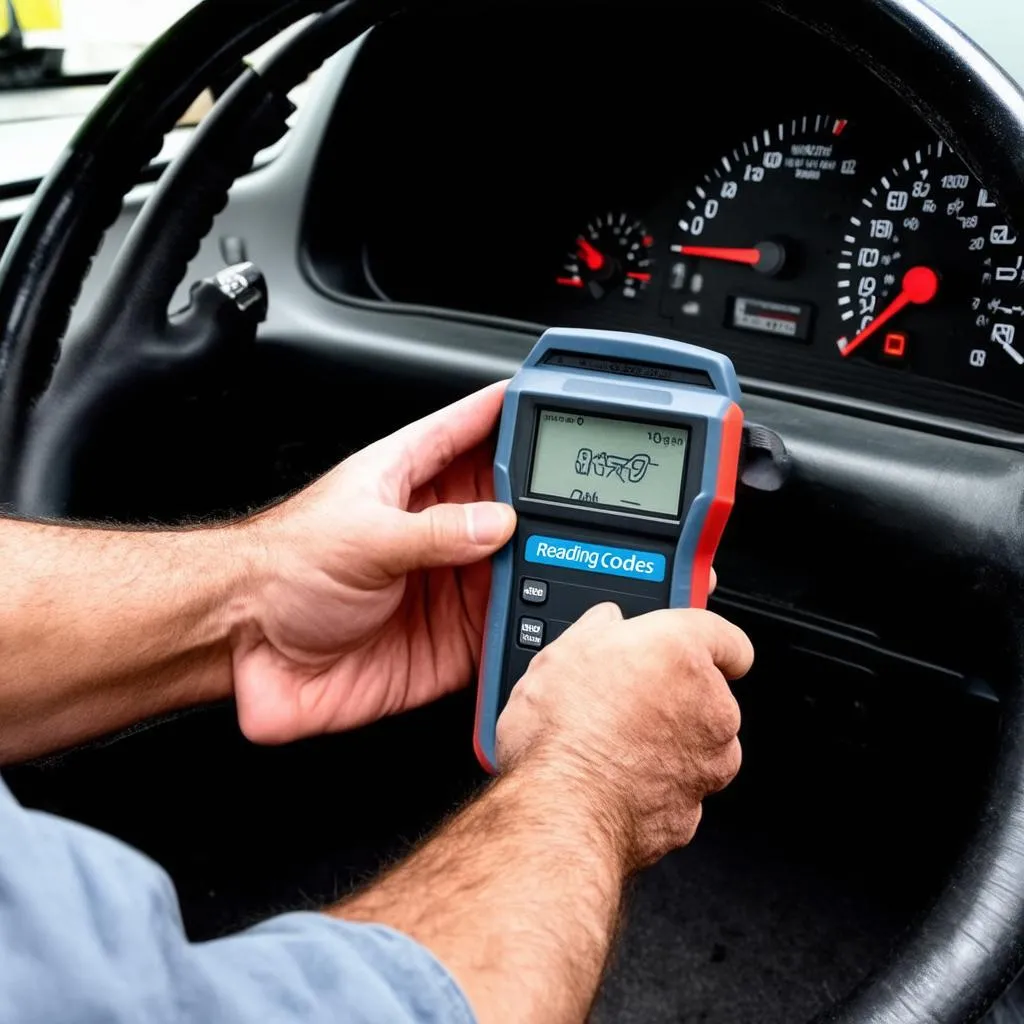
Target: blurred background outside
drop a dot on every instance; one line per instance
(58, 56)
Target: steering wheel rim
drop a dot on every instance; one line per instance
(970, 943)
(51, 251)
(129, 340)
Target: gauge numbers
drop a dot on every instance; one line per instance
(930, 276)
(750, 245)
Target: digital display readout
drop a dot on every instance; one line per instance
(782, 319)
(622, 464)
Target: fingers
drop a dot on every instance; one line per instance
(600, 613)
(423, 449)
(728, 645)
(443, 535)
(598, 617)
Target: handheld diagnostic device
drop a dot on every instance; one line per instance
(620, 454)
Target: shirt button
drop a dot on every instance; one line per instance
(531, 633)
(534, 591)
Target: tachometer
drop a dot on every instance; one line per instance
(754, 241)
(613, 254)
(929, 277)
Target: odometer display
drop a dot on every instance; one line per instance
(929, 277)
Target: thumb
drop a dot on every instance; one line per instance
(599, 615)
(446, 535)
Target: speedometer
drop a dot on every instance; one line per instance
(753, 244)
(929, 277)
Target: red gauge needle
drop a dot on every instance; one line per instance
(768, 258)
(920, 286)
(751, 257)
(593, 259)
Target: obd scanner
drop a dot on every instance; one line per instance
(620, 454)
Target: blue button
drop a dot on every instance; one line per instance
(575, 554)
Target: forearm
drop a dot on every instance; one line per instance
(99, 629)
(518, 896)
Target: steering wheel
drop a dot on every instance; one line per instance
(970, 944)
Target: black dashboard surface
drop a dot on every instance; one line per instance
(549, 171)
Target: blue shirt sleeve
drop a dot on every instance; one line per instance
(90, 932)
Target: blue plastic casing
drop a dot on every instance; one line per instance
(717, 407)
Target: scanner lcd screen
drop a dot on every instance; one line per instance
(627, 465)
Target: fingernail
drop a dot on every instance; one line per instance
(490, 523)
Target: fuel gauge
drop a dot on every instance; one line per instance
(612, 255)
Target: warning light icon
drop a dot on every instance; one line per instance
(895, 346)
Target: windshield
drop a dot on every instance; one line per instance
(57, 57)
(42, 41)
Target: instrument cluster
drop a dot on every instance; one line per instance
(797, 215)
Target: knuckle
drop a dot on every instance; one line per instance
(732, 760)
(524, 695)
(527, 692)
(720, 722)
(724, 768)
(541, 663)
(727, 718)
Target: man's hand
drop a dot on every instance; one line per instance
(639, 714)
(362, 596)
(609, 745)
(372, 592)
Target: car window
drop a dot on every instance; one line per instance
(997, 26)
(57, 58)
(48, 43)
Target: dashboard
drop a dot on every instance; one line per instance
(721, 175)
